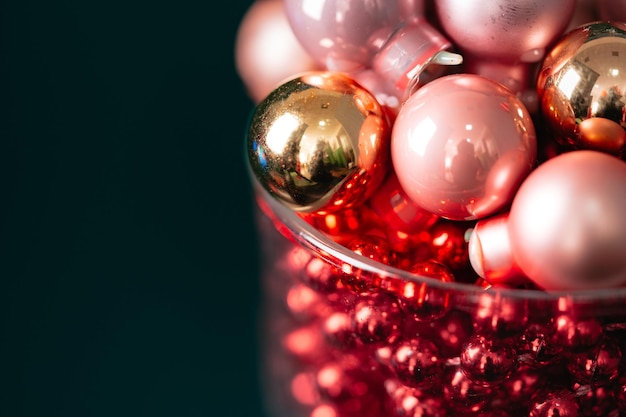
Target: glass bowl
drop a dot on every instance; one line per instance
(344, 336)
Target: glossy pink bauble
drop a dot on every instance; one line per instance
(266, 50)
(567, 222)
(510, 30)
(340, 34)
(391, 37)
(461, 145)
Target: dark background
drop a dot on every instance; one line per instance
(128, 263)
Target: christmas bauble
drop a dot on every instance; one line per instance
(581, 85)
(319, 143)
(461, 145)
(567, 223)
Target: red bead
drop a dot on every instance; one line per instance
(538, 346)
(449, 242)
(344, 225)
(464, 396)
(596, 366)
(350, 389)
(305, 303)
(500, 316)
(377, 318)
(416, 362)
(374, 247)
(523, 384)
(553, 404)
(371, 246)
(337, 330)
(409, 251)
(620, 393)
(487, 362)
(397, 210)
(577, 335)
(342, 299)
(412, 402)
(421, 300)
(452, 331)
(306, 343)
(320, 275)
(596, 401)
(304, 389)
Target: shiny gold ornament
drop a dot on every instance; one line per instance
(581, 86)
(319, 142)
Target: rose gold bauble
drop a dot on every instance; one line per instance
(266, 50)
(567, 224)
(581, 85)
(319, 143)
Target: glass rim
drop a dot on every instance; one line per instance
(314, 239)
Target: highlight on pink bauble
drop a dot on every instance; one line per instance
(266, 50)
(509, 30)
(567, 223)
(461, 146)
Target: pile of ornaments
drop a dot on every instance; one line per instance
(483, 141)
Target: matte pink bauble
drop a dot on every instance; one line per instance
(266, 50)
(567, 223)
(613, 10)
(461, 146)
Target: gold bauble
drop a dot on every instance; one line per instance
(581, 84)
(319, 142)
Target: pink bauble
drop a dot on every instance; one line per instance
(613, 10)
(461, 146)
(266, 50)
(510, 30)
(567, 222)
(391, 37)
(586, 11)
(340, 34)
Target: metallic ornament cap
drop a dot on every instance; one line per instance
(319, 142)
(490, 254)
(408, 53)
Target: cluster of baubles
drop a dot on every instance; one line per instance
(502, 121)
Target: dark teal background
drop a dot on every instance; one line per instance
(127, 245)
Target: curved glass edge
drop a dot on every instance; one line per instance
(318, 242)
